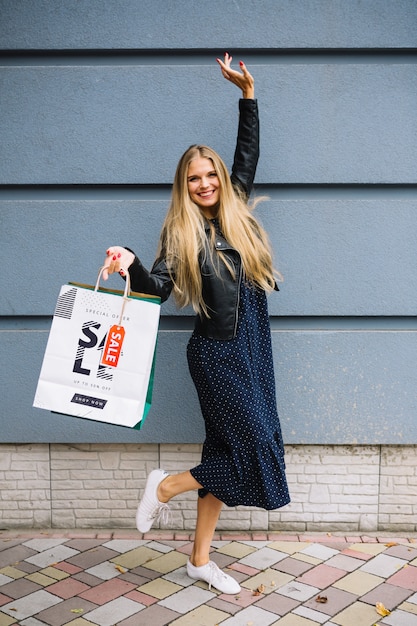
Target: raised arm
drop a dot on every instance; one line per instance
(247, 145)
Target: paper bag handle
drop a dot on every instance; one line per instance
(125, 295)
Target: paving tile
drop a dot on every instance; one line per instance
(413, 598)
(13, 555)
(293, 573)
(322, 576)
(179, 577)
(83, 545)
(56, 572)
(80, 621)
(6, 620)
(275, 603)
(252, 614)
(400, 618)
(236, 549)
(406, 577)
(135, 557)
(133, 578)
(296, 620)
(311, 614)
(344, 562)
(155, 615)
(175, 544)
(187, 549)
(114, 612)
(160, 547)
(224, 605)
(30, 605)
(19, 588)
(358, 582)
(204, 616)
(92, 557)
(306, 558)
(160, 588)
(409, 607)
(269, 579)
(31, 621)
(41, 579)
(263, 558)
(4, 599)
(257, 545)
(140, 597)
(105, 570)
(68, 588)
(12, 572)
(298, 591)
(187, 599)
(319, 551)
(358, 614)
(292, 566)
(52, 556)
(146, 573)
(222, 560)
(9, 543)
(124, 545)
(391, 596)
(290, 547)
(368, 548)
(406, 552)
(167, 562)
(383, 565)
(243, 569)
(40, 545)
(26, 567)
(337, 600)
(62, 613)
(107, 591)
(243, 599)
(88, 579)
(356, 554)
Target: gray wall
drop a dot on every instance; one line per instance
(98, 101)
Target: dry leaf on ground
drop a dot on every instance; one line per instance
(381, 610)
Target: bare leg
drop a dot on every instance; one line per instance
(208, 511)
(175, 484)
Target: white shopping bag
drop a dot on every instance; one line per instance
(99, 358)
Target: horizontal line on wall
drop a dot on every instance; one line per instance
(185, 323)
(162, 192)
(265, 56)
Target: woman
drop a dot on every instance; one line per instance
(215, 256)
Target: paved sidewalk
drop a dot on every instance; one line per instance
(104, 578)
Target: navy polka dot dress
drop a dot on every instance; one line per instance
(243, 454)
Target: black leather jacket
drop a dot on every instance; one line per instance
(221, 294)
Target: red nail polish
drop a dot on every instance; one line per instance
(114, 258)
(241, 63)
(119, 255)
(107, 252)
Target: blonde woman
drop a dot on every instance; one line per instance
(215, 256)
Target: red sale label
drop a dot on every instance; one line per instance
(113, 347)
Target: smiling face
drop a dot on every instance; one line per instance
(204, 185)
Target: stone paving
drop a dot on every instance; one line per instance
(104, 578)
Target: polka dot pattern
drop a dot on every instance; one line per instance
(243, 454)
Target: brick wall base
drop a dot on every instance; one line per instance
(333, 488)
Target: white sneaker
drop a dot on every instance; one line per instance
(150, 509)
(214, 576)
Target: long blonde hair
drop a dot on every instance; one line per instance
(183, 237)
